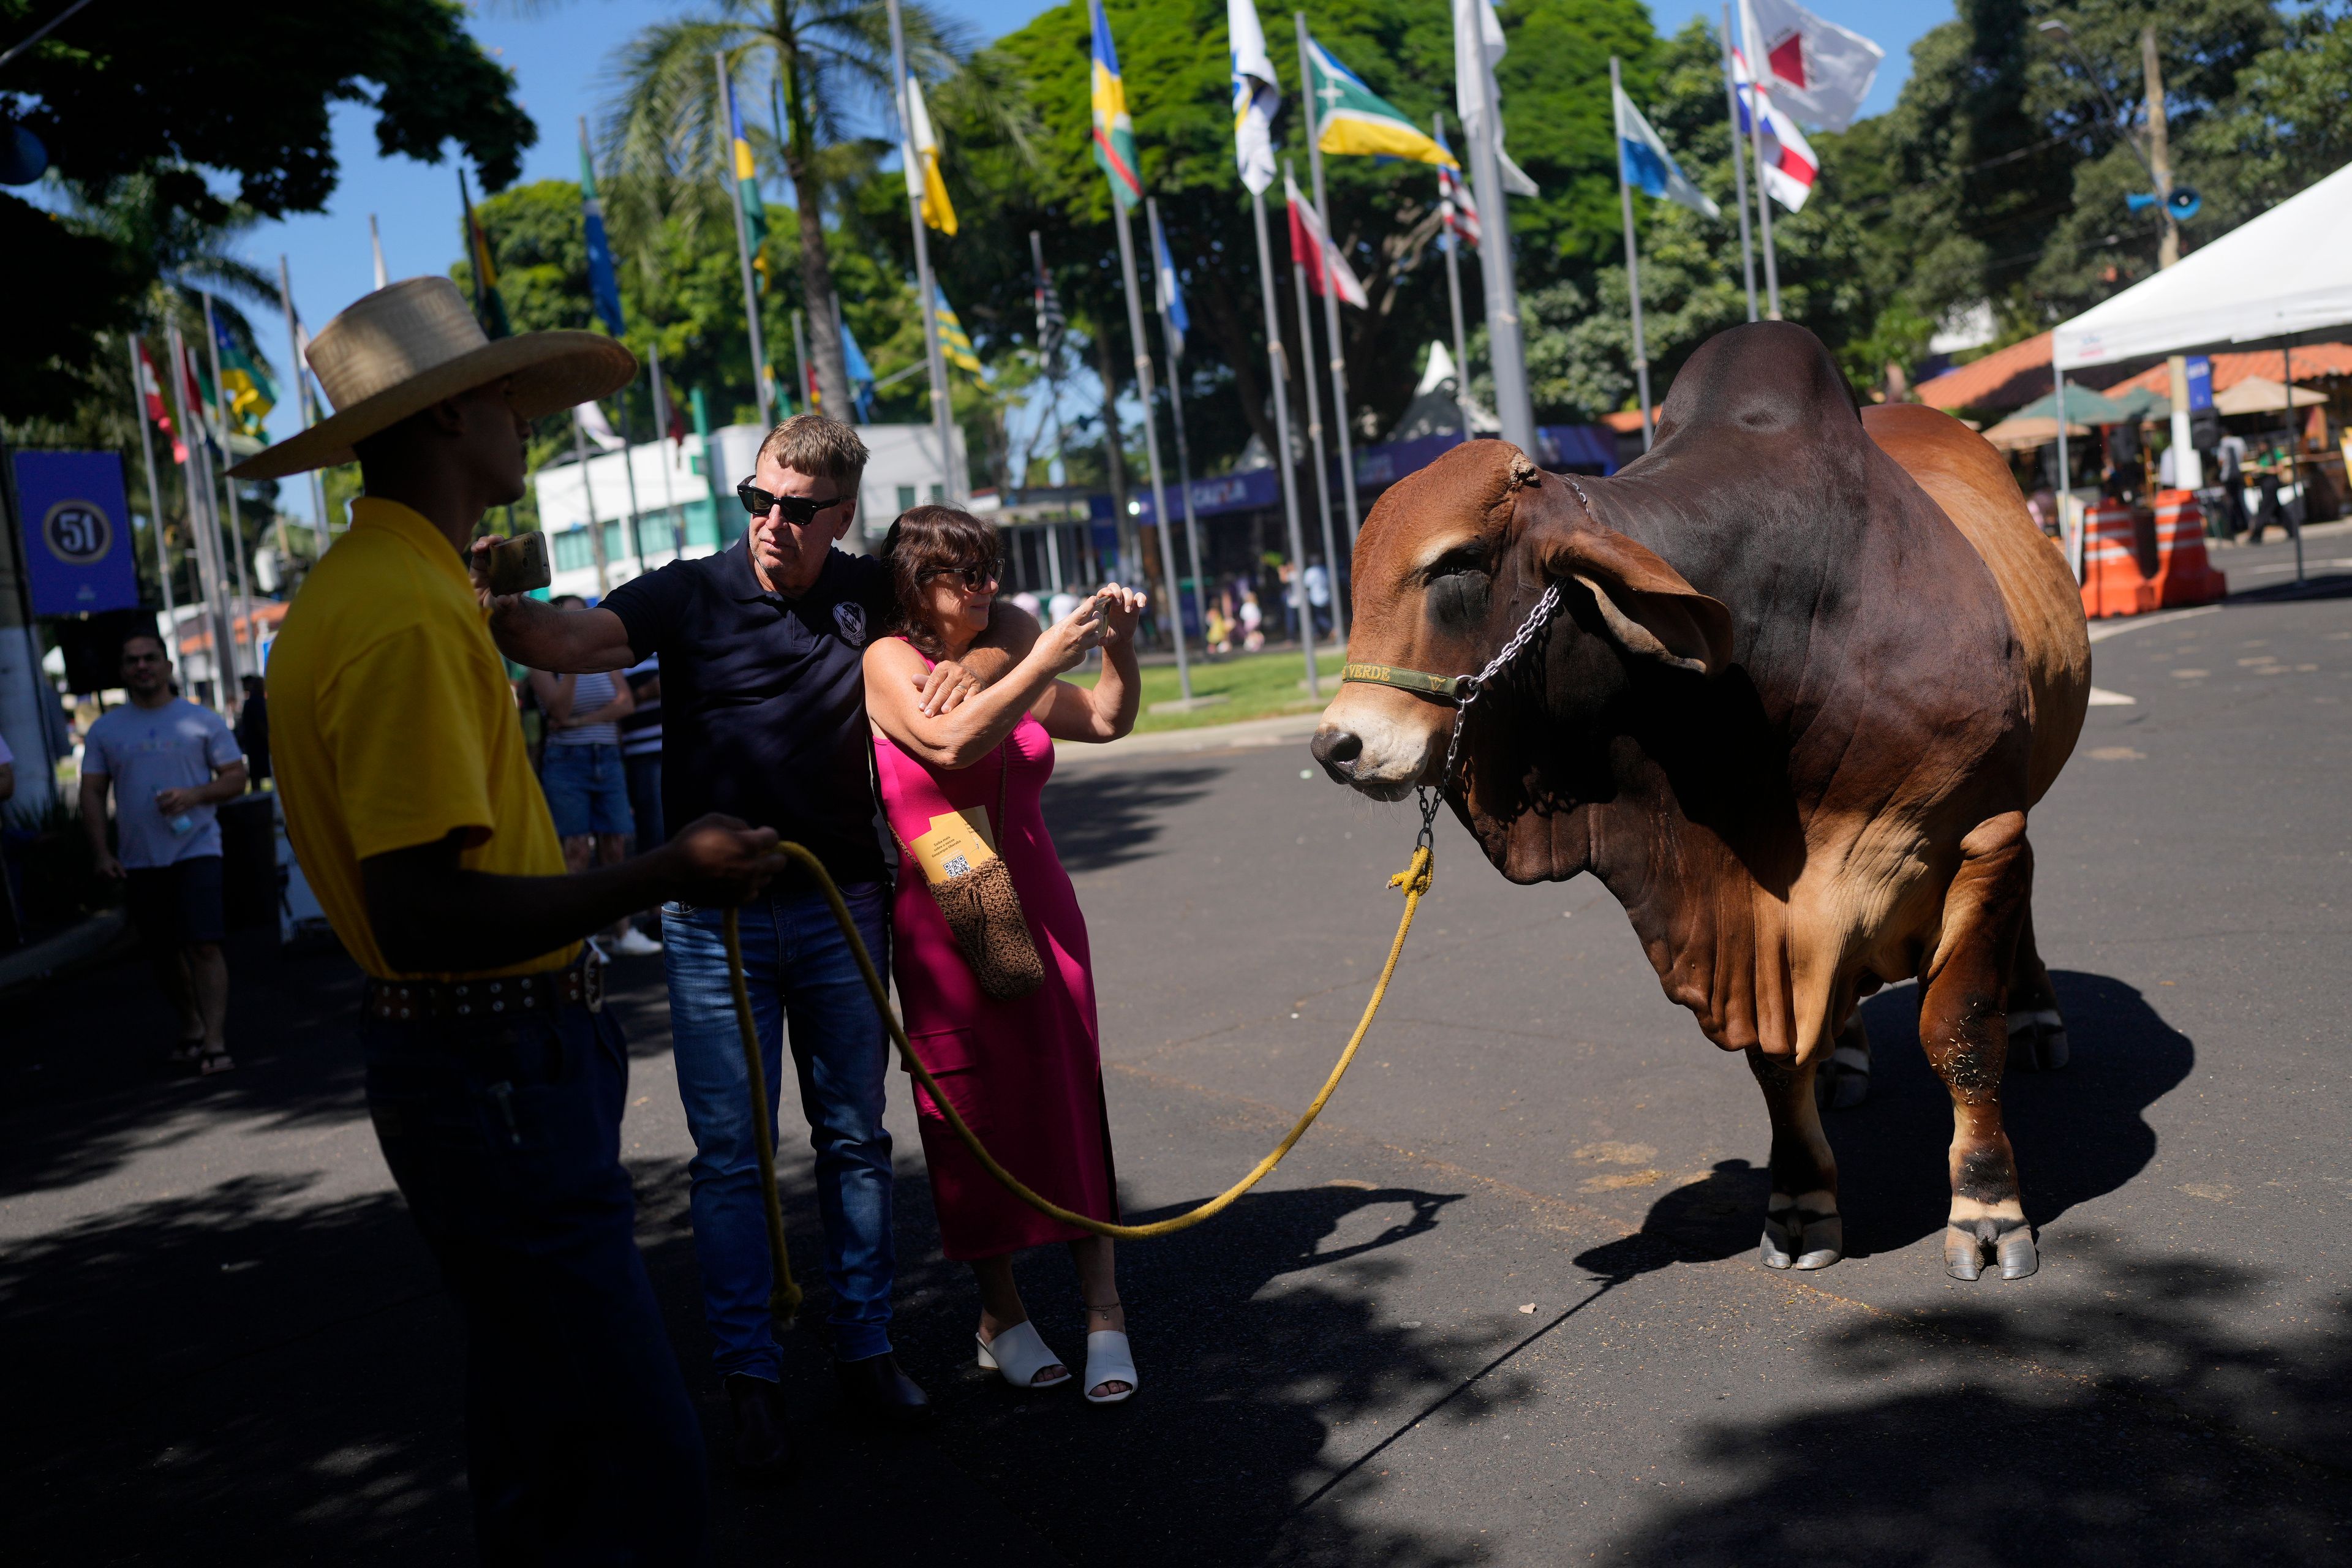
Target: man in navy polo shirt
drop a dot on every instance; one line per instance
(762, 649)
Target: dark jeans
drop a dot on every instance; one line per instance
(643, 773)
(582, 1445)
(798, 969)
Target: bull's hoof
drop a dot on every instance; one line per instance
(2013, 1249)
(1798, 1237)
(2037, 1040)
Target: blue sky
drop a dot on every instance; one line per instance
(560, 55)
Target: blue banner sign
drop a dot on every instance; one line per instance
(2200, 383)
(77, 551)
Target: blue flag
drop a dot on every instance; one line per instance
(603, 284)
(1172, 292)
(1649, 167)
(860, 374)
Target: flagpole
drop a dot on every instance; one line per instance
(1330, 321)
(1739, 166)
(1632, 251)
(588, 499)
(1052, 367)
(952, 483)
(726, 130)
(303, 399)
(661, 444)
(241, 628)
(1314, 411)
(1143, 388)
(800, 358)
(1175, 342)
(154, 494)
(1452, 245)
(1758, 99)
(375, 244)
(196, 476)
(1282, 464)
(1505, 348)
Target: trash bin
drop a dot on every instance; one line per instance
(248, 827)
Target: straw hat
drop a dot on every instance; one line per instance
(405, 348)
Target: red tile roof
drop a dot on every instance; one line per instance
(2311, 361)
(2005, 378)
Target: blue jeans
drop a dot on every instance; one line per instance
(798, 968)
(643, 772)
(587, 791)
(582, 1445)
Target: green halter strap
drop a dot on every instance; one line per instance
(1445, 688)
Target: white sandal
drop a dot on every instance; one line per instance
(1109, 1359)
(1018, 1355)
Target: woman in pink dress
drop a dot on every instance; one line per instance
(1024, 1074)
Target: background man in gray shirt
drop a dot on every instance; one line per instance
(169, 762)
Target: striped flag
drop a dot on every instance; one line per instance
(489, 306)
(1311, 247)
(1052, 324)
(603, 282)
(150, 387)
(922, 155)
(1456, 211)
(1172, 294)
(1114, 132)
(747, 184)
(954, 342)
(1648, 166)
(1789, 166)
(1256, 96)
(1350, 117)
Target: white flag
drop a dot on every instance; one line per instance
(1477, 46)
(1813, 67)
(1255, 95)
(597, 428)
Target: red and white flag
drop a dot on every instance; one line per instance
(1789, 165)
(1456, 212)
(1311, 247)
(151, 389)
(1812, 66)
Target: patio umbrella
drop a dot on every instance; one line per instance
(2255, 394)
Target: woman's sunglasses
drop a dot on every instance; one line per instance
(973, 578)
(799, 510)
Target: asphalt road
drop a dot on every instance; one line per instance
(1501, 1307)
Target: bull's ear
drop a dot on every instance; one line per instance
(1648, 607)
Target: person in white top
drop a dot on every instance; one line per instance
(584, 778)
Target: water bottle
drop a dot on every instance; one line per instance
(182, 825)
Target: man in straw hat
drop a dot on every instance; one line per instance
(494, 1076)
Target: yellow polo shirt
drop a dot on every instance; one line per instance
(392, 724)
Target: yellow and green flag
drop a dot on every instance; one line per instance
(746, 183)
(1350, 117)
(244, 383)
(954, 342)
(1114, 132)
(489, 306)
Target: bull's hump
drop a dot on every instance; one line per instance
(1765, 378)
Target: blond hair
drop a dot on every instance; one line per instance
(820, 448)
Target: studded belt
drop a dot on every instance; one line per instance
(582, 984)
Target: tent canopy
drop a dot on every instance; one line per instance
(2287, 271)
(2259, 395)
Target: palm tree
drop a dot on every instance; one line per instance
(832, 59)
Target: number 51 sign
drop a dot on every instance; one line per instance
(76, 522)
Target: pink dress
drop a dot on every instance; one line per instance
(1025, 1075)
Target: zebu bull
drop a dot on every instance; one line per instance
(1810, 670)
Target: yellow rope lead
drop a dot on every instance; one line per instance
(1415, 880)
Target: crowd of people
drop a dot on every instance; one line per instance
(780, 688)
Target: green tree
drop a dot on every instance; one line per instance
(141, 118)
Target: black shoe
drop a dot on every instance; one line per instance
(762, 1452)
(878, 1389)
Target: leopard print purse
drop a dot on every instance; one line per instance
(983, 912)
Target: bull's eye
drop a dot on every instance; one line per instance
(1459, 593)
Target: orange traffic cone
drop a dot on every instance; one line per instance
(2184, 573)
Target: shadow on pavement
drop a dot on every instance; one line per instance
(1107, 817)
(2079, 1134)
(2146, 1461)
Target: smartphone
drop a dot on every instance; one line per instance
(517, 565)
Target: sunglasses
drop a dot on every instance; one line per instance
(973, 578)
(799, 510)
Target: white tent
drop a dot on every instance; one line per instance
(2287, 271)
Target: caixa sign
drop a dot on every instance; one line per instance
(79, 557)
